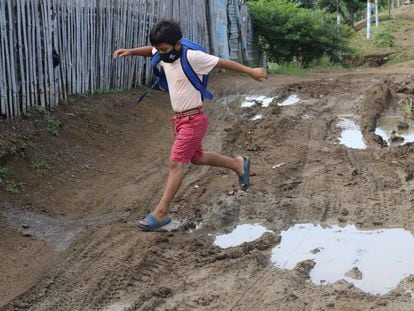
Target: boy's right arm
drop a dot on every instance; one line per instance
(142, 51)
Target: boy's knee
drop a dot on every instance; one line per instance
(196, 161)
(175, 165)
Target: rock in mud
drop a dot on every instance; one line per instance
(344, 212)
(266, 241)
(26, 233)
(397, 139)
(402, 125)
(315, 251)
(354, 273)
(409, 174)
(163, 292)
(304, 267)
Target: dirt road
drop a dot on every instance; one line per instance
(68, 242)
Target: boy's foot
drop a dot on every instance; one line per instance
(150, 223)
(244, 178)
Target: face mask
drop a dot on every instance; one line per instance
(170, 56)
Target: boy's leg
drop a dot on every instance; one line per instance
(175, 178)
(215, 159)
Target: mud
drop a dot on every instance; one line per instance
(108, 166)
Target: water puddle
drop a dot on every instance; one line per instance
(241, 234)
(278, 165)
(252, 100)
(392, 130)
(247, 104)
(257, 117)
(291, 100)
(374, 261)
(121, 305)
(351, 135)
(57, 232)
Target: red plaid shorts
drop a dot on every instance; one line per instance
(189, 133)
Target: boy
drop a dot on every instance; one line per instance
(190, 122)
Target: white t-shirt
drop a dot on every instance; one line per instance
(183, 95)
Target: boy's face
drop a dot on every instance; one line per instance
(166, 47)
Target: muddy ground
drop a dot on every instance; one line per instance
(67, 237)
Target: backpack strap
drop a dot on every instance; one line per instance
(160, 78)
(200, 85)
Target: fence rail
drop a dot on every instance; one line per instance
(86, 32)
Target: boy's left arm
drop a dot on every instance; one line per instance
(258, 74)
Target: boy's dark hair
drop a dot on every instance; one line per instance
(165, 31)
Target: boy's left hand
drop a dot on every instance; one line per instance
(259, 74)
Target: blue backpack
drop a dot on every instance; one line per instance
(161, 80)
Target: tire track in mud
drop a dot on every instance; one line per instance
(319, 193)
(118, 262)
(378, 188)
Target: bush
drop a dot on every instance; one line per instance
(384, 39)
(287, 32)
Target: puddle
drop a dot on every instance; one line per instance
(388, 128)
(257, 117)
(121, 305)
(291, 100)
(247, 104)
(278, 165)
(374, 261)
(252, 100)
(351, 135)
(57, 232)
(241, 234)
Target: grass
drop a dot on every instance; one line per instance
(290, 69)
(11, 186)
(53, 124)
(40, 166)
(71, 101)
(4, 171)
(407, 107)
(14, 187)
(106, 91)
(294, 69)
(382, 40)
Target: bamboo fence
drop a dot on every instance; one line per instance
(86, 32)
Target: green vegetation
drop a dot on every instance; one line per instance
(11, 186)
(3, 173)
(53, 124)
(14, 187)
(349, 10)
(71, 101)
(40, 166)
(383, 39)
(106, 91)
(407, 107)
(294, 69)
(289, 33)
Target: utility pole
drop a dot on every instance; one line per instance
(393, 9)
(389, 7)
(338, 17)
(376, 14)
(369, 19)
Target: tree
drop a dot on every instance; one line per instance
(288, 32)
(347, 8)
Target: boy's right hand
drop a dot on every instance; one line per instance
(121, 53)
